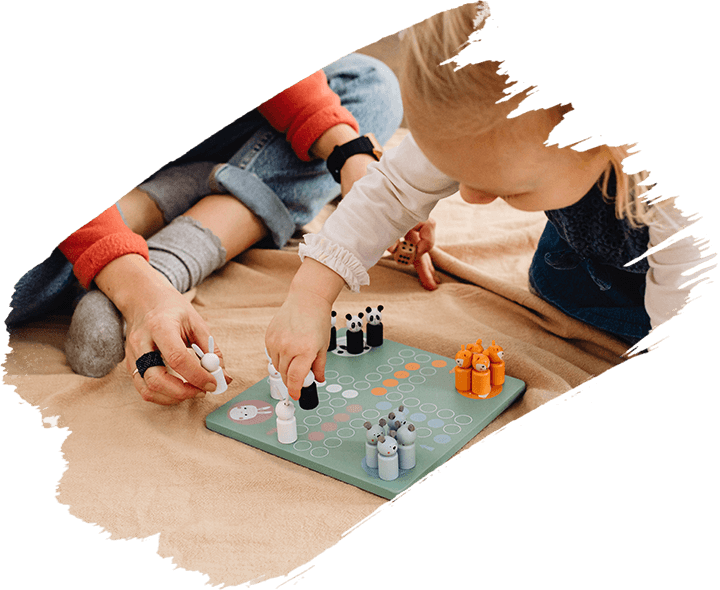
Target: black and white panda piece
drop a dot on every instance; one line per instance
(374, 326)
(308, 393)
(354, 336)
(333, 332)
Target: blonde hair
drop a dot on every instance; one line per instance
(472, 93)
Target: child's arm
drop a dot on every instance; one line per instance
(99, 242)
(298, 336)
(395, 195)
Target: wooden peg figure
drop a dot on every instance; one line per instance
(497, 365)
(211, 363)
(463, 370)
(278, 390)
(374, 326)
(371, 439)
(333, 332)
(355, 338)
(477, 347)
(286, 421)
(481, 375)
(388, 468)
(405, 437)
(308, 393)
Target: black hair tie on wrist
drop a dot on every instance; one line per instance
(149, 359)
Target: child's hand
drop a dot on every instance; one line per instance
(298, 336)
(423, 237)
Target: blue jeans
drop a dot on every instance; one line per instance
(261, 170)
(601, 295)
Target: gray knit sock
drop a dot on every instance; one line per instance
(95, 343)
(186, 252)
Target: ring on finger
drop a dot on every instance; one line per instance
(149, 359)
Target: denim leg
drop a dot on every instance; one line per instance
(49, 285)
(285, 192)
(180, 184)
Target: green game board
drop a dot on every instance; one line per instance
(366, 387)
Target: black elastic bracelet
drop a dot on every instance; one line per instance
(149, 359)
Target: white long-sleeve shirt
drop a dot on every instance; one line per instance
(403, 188)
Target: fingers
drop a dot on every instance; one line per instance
(171, 338)
(159, 387)
(294, 368)
(318, 366)
(423, 236)
(295, 373)
(174, 350)
(426, 272)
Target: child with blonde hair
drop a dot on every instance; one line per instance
(461, 139)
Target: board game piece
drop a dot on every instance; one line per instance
(388, 467)
(354, 337)
(278, 390)
(401, 413)
(497, 365)
(286, 422)
(333, 332)
(374, 327)
(371, 436)
(309, 393)
(481, 375)
(211, 363)
(405, 437)
(463, 370)
(396, 419)
(367, 387)
(477, 347)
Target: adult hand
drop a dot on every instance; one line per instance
(158, 318)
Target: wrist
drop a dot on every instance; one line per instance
(326, 143)
(316, 281)
(130, 282)
(341, 154)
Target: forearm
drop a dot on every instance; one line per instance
(337, 135)
(98, 242)
(315, 283)
(132, 284)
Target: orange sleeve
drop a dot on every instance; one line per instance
(305, 111)
(99, 242)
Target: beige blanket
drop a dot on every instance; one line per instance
(223, 508)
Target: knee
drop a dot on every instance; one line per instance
(370, 90)
(373, 73)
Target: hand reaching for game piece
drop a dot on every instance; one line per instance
(297, 338)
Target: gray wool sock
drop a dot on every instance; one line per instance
(186, 252)
(95, 344)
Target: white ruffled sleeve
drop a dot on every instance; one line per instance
(336, 258)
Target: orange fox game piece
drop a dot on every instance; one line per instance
(481, 375)
(497, 364)
(463, 370)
